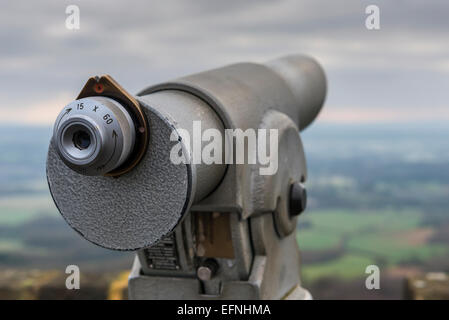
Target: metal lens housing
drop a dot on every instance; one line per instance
(81, 139)
(94, 135)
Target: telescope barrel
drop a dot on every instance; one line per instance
(110, 164)
(307, 81)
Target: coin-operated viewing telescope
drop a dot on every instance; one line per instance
(176, 172)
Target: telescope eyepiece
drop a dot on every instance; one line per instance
(81, 139)
(94, 135)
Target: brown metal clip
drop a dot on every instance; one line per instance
(106, 86)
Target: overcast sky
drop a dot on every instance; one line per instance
(399, 73)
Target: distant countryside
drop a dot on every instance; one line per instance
(377, 195)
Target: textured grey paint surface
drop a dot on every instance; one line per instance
(183, 109)
(241, 94)
(132, 211)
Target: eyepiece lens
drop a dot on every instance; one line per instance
(81, 139)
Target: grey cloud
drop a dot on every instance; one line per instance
(142, 42)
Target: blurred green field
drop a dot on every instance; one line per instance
(350, 221)
(316, 240)
(10, 245)
(346, 241)
(394, 251)
(19, 209)
(346, 267)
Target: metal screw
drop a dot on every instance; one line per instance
(298, 199)
(207, 270)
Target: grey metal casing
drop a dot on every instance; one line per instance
(157, 199)
(250, 96)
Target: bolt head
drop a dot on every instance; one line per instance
(204, 273)
(298, 199)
